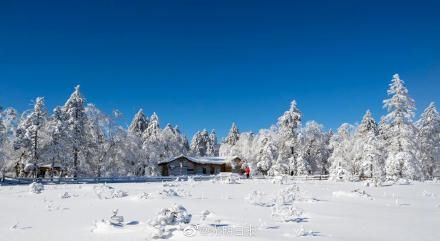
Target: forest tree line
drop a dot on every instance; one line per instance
(85, 141)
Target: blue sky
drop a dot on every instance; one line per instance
(204, 64)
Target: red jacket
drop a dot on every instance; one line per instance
(247, 170)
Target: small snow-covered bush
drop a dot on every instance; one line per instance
(260, 199)
(36, 187)
(404, 181)
(353, 194)
(107, 192)
(65, 195)
(170, 184)
(284, 179)
(287, 213)
(169, 219)
(428, 194)
(168, 193)
(287, 196)
(145, 195)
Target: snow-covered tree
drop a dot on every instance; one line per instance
(368, 149)
(428, 139)
(230, 141)
(153, 146)
(212, 149)
(288, 149)
(8, 127)
(139, 124)
(401, 146)
(30, 135)
(341, 159)
(313, 150)
(75, 135)
(233, 135)
(266, 150)
(200, 143)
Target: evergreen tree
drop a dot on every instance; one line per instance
(233, 135)
(369, 161)
(428, 139)
(212, 149)
(75, 127)
(30, 132)
(139, 124)
(401, 147)
(341, 159)
(288, 151)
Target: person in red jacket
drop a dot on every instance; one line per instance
(247, 170)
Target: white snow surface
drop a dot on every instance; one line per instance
(327, 210)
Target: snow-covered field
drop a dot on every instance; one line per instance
(249, 210)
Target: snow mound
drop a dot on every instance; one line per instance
(165, 193)
(287, 196)
(36, 187)
(107, 192)
(65, 195)
(114, 224)
(169, 220)
(303, 233)
(403, 181)
(170, 184)
(428, 194)
(353, 194)
(260, 199)
(280, 179)
(145, 195)
(287, 213)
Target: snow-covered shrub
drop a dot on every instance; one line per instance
(287, 213)
(116, 219)
(168, 193)
(403, 181)
(170, 184)
(145, 195)
(107, 192)
(428, 194)
(353, 194)
(119, 193)
(168, 219)
(287, 196)
(65, 195)
(260, 199)
(280, 179)
(36, 187)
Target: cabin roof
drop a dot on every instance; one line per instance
(203, 160)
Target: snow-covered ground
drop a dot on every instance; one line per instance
(207, 210)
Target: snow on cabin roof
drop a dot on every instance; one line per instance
(204, 160)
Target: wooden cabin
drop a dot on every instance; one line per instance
(185, 165)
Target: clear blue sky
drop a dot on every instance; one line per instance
(203, 64)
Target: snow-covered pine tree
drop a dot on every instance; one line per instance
(287, 161)
(153, 146)
(428, 138)
(233, 135)
(401, 146)
(139, 124)
(265, 150)
(212, 148)
(313, 151)
(31, 132)
(3, 140)
(368, 161)
(8, 127)
(341, 159)
(75, 128)
(230, 141)
(200, 143)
